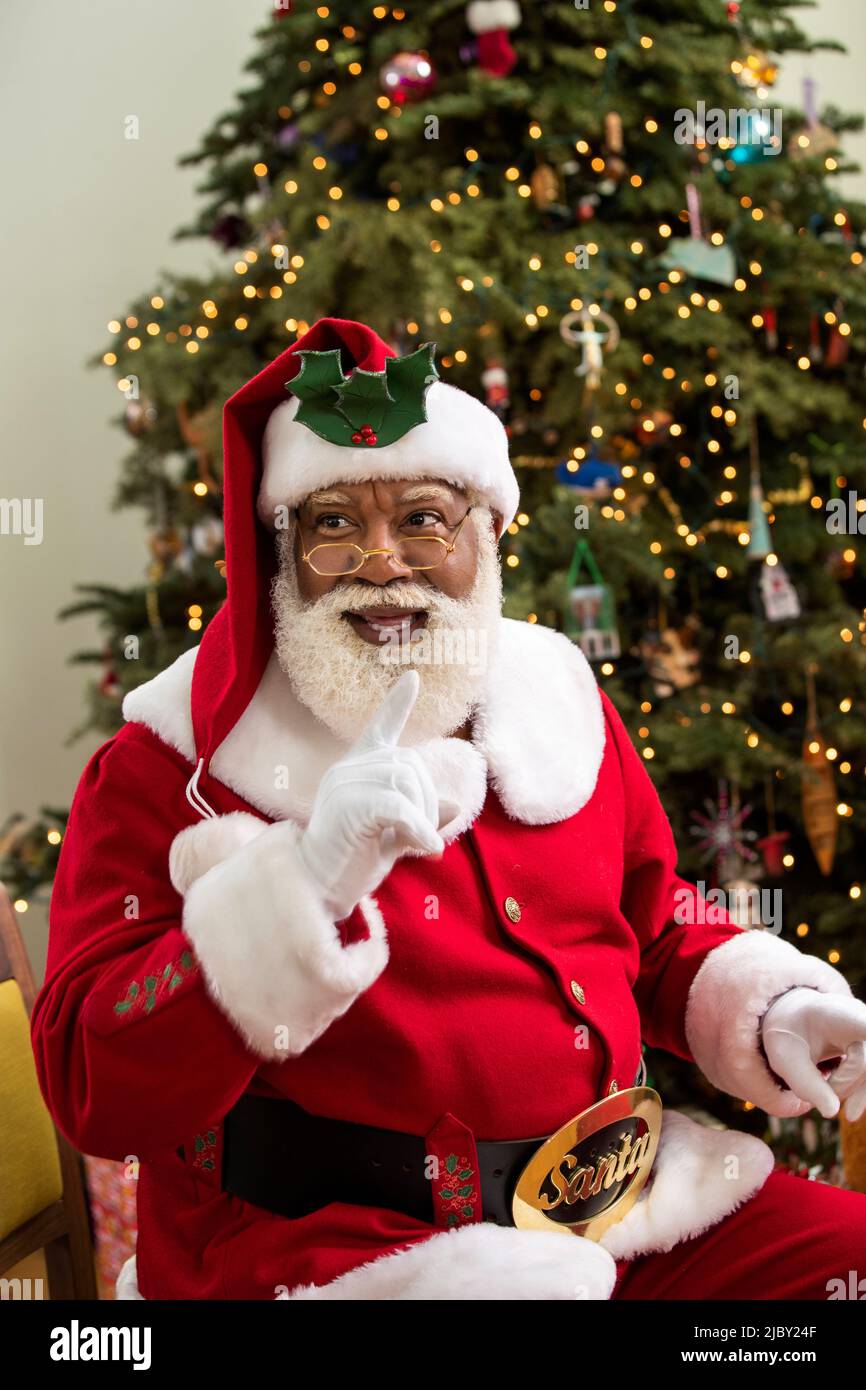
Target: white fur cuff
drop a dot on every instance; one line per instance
(481, 1261)
(271, 956)
(729, 996)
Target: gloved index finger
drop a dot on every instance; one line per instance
(387, 724)
(789, 1056)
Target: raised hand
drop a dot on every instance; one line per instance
(373, 805)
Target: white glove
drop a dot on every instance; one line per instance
(805, 1027)
(372, 806)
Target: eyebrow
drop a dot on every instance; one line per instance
(423, 492)
(318, 498)
(427, 492)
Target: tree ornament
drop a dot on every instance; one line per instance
(586, 207)
(139, 417)
(744, 902)
(490, 21)
(760, 540)
(494, 379)
(671, 656)
(654, 426)
(756, 69)
(230, 230)
(613, 132)
(589, 616)
(109, 685)
(838, 344)
(407, 77)
(759, 139)
(165, 545)
(287, 137)
(776, 594)
(723, 841)
(768, 314)
(773, 594)
(545, 186)
(841, 565)
(208, 536)
(579, 328)
(820, 819)
(772, 846)
(696, 256)
(814, 140)
(200, 432)
(593, 476)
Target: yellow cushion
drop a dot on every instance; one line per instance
(30, 1177)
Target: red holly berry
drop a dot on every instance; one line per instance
(371, 439)
(357, 439)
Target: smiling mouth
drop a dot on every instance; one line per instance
(386, 623)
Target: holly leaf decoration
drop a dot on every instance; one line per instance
(364, 400)
(320, 374)
(451, 1163)
(391, 402)
(316, 386)
(409, 379)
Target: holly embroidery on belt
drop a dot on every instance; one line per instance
(459, 1192)
(141, 997)
(204, 1148)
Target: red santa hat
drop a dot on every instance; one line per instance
(276, 451)
(350, 423)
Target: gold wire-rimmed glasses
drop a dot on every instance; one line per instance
(415, 553)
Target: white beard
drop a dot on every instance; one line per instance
(344, 679)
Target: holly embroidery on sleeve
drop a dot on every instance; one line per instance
(458, 1192)
(204, 1147)
(141, 996)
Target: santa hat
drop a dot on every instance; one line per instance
(346, 423)
(274, 454)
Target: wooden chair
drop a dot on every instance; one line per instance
(43, 1204)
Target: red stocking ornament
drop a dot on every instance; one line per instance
(490, 21)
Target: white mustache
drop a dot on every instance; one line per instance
(409, 596)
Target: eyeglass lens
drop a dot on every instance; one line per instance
(418, 552)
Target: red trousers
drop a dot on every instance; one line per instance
(791, 1240)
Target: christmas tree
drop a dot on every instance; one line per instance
(615, 236)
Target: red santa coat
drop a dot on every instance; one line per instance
(489, 995)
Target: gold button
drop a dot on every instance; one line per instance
(512, 908)
(613, 1088)
(578, 993)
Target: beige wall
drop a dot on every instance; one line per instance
(88, 219)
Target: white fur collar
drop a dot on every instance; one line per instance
(538, 734)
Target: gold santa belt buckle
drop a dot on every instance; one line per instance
(587, 1175)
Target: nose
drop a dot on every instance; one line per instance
(381, 569)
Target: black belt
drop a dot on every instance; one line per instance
(282, 1158)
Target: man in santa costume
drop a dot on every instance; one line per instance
(372, 900)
